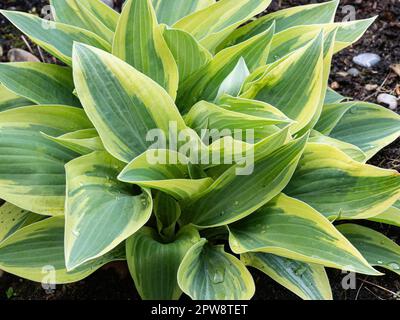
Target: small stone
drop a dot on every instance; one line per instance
(335, 85)
(1, 51)
(389, 100)
(371, 87)
(396, 68)
(110, 3)
(353, 72)
(19, 55)
(397, 90)
(342, 74)
(367, 60)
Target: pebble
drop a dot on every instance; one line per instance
(396, 68)
(1, 51)
(371, 87)
(367, 60)
(110, 3)
(19, 55)
(335, 85)
(389, 100)
(353, 72)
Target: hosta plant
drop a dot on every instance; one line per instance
(104, 155)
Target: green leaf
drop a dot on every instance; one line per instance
(154, 264)
(379, 250)
(139, 41)
(332, 96)
(368, 126)
(164, 170)
(108, 16)
(351, 150)
(290, 39)
(167, 211)
(96, 200)
(209, 273)
(32, 174)
(9, 100)
(284, 19)
(350, 32)
(56, 38)
(233, 197)
(82, 141)
(290, 228)
(205, 115)
(308, 281)
(36, 253)
(390, 216)
(331, 115)
(122, 103)
(13, 218)
(204, 84)
(339, 187)
(213, 24)
(299, 74)
(232, 84)
(86, 15)
(189, 55)
(39, 82)
(171, 11)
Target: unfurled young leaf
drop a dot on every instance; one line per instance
(179, 127)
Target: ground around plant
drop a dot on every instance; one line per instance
(113, 282)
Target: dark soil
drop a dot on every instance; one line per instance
(114, 283)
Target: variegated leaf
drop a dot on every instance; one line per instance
(154, 264)
(207, 272)
(41, 83)
(123, 104)
(308, 281)
(139, 41)
(56, 38)
(36, 252)
(96, 200)
(32, 174)
(339, 187)
(290, 228)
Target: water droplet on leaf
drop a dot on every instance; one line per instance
(218, 276)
